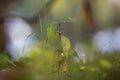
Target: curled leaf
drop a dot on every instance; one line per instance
(51, 30)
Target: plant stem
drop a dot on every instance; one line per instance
(41, 27)
(59, 28)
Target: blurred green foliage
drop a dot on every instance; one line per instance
(4, 61)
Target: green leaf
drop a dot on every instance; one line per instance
(54, 39)
(51, 30)
(52, 35)
(68, 19)
(72, 52)
(65, 44)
